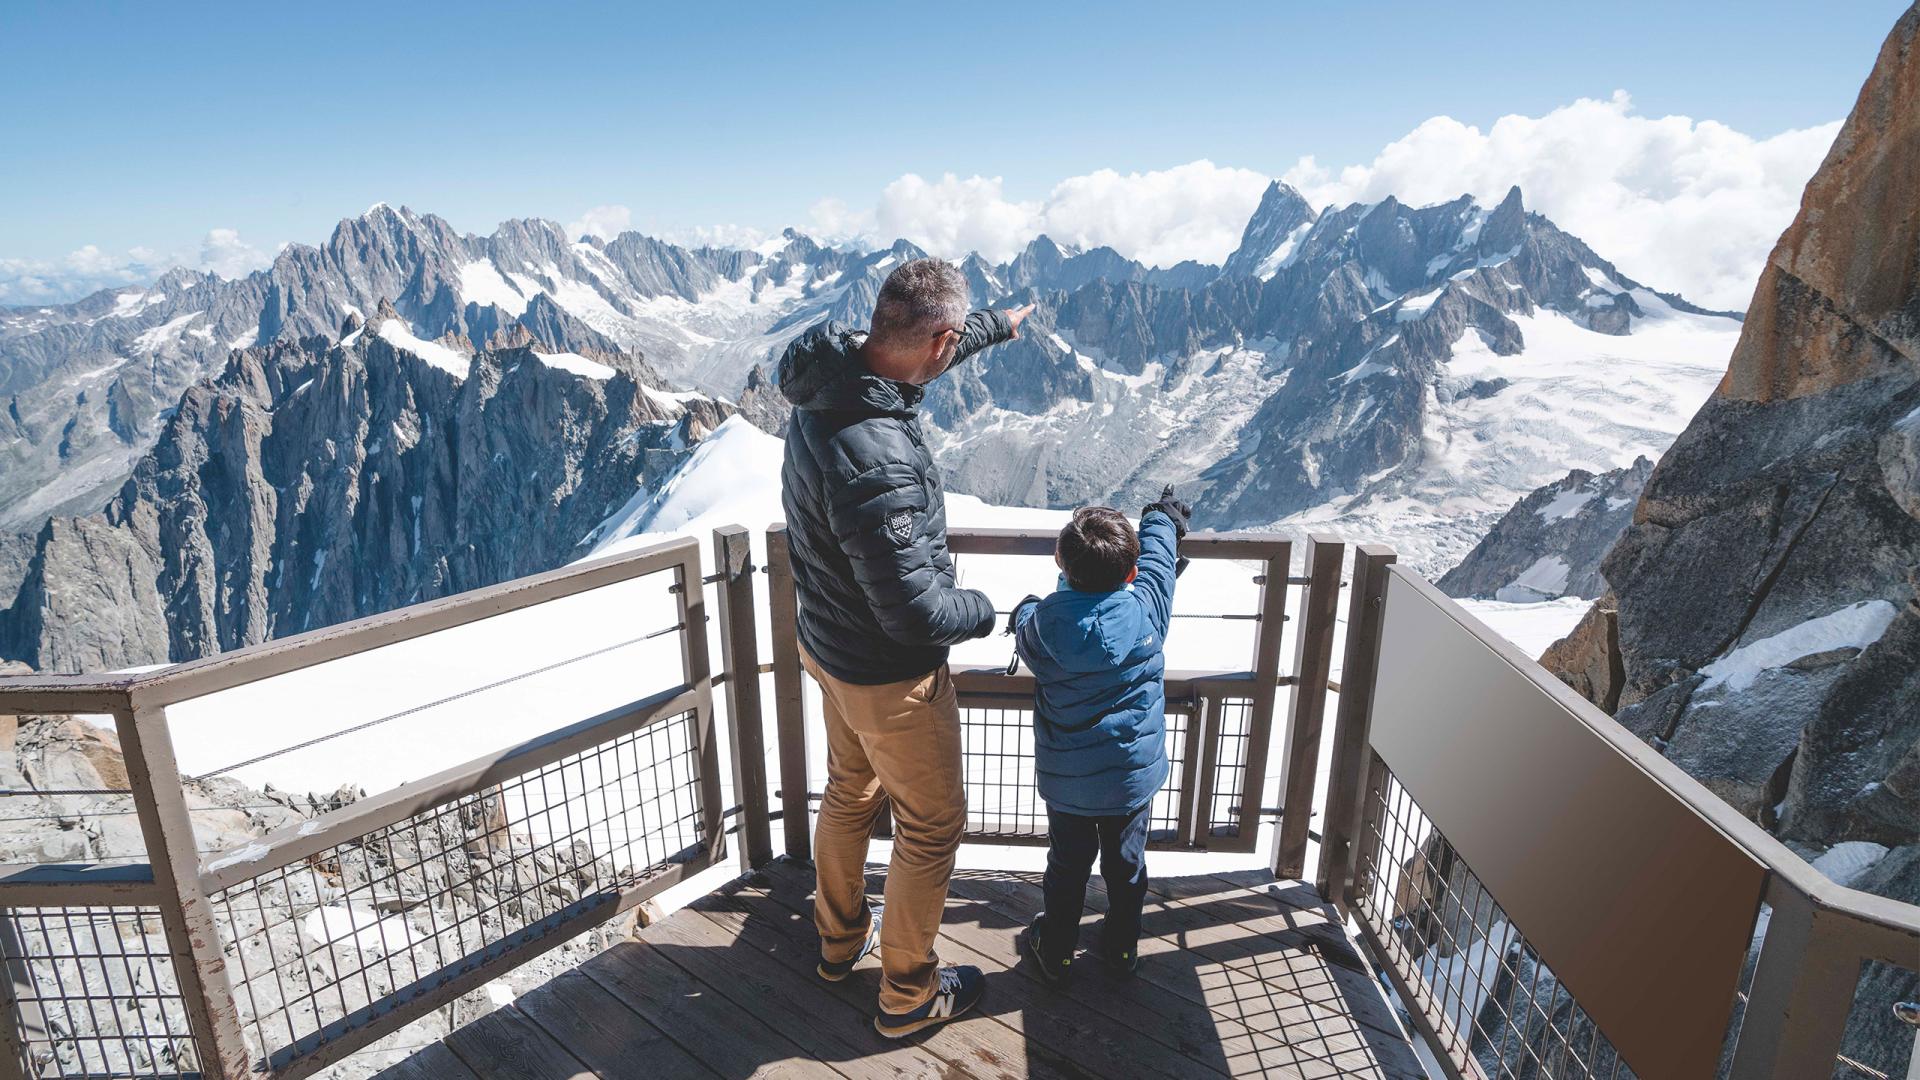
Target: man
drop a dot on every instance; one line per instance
(867, 525)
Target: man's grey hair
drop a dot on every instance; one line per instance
(919, 300)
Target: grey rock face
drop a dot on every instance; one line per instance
(1768, 626)
(1551, 543)
(314, 482)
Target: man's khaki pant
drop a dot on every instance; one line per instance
(897, 742)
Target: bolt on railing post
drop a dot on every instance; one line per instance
(789, 707)
(193, 937)
(1803, 986)
(740, 656)
(697, 667)
(1313, 656)
(1353, 719)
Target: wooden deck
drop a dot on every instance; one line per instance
(1239, 976)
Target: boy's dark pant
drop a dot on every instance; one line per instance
(1072, 842)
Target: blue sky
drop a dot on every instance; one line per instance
(148, 125)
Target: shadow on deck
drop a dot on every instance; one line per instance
(1240, 976)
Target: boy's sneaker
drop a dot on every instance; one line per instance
(1055, 973)
(834, 972)
(1124, 962)
(960, 987)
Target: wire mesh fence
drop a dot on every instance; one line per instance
(1481, 986)
(94, 993)
(1003, 796)
(323, 946)
(1233, 736)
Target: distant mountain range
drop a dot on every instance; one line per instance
(1383, 370)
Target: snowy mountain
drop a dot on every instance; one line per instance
(316, 481)
(1551, 543)
(1380, 370)
(87, 385)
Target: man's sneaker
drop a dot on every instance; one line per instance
(1056, 973)
(834, 972)
(1124, 962)
(960, 987)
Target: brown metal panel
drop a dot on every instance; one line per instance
(192, 934)
(1639, 905)
(1313, 658)
(740, 651)
(182, 682)
(1184, 830)
(292, 843)
(789, 705)
(1347, 776)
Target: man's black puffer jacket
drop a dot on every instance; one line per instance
(866, 515)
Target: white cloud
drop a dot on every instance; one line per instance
(725, 235)
(1690, 206)
(90, 269)
(605, 222)
(1683, 205)
(1191, 211)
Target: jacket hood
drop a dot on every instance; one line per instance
(822, 369)
(1089, 631)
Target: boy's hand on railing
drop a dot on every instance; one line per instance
(1170, 505)
(1013, 617)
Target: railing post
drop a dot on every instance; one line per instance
(1802, 991)
(1313, 655)
(789, 708)
(697, 666)
(1267, 636)
(740, 656)
(193, 937)
(1353, 718)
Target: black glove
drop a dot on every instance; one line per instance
(1014, 615)
(1171, 506)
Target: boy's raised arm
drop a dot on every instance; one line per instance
(1162, 524)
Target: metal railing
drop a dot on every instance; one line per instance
(1545, 895)
(293, 950)
(1219, 722)
(1548, 896)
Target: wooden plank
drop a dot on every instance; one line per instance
(435, 1062)
(740, 655)
(611, 1039)
(1063, 1023)
(1348, 774)
(1313, 658)
(789, 698)
(1266, 690)
(505, 1043)
(1234, 963)
(728, 1040)
(787, 936)
(823, 1027)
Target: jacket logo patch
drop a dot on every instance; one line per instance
(900, 524)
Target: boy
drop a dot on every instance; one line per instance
(1100, 740)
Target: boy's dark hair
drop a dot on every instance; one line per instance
(1098, 549)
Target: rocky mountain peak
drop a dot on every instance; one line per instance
(1282, 212)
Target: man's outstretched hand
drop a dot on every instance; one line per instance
(1169, 504)
(1017, 316)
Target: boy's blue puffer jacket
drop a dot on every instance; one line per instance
(1100, 726)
